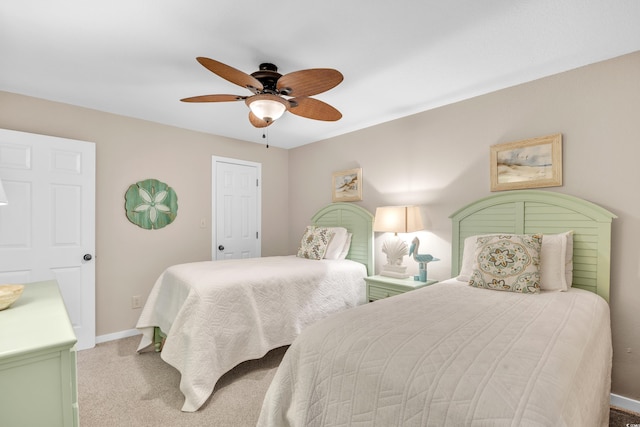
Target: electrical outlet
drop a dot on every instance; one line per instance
(135, 301)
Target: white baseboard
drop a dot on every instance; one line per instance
(625, 403)
(117, 335)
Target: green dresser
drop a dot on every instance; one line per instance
(38, 383)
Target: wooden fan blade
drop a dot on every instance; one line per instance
(230, 74)
(214, 98)
(314, 109)
(309, 82)
(257, 121)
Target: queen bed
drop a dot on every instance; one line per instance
(469, 351)
(214, 315)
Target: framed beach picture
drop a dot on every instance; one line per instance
(347, 186)
(531, 163)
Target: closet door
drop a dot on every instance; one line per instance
(236, 209)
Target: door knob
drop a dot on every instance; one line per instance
(87, 257)
(221, 248)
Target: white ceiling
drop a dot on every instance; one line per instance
(137, 57)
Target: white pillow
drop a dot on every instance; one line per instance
(336, 244)
(345, 249)
(555, 256)
(467, 258)
(568, 261)
(556, 261)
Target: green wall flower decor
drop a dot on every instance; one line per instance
(151, 204)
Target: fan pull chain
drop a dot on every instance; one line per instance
(265, 135)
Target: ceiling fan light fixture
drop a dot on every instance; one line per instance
(267, 107)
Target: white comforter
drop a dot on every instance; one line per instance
(217, 314)
(450, 355)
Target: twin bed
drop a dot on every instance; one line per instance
(447, 354)
(217, 314)
(452, 354)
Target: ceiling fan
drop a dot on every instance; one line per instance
(274, 93)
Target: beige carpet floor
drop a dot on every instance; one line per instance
(119, 388)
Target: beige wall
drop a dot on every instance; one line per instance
(440, 159)
(437, 159)
(128, 258)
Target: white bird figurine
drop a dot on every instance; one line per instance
(421, 258)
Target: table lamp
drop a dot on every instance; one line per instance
(396, 219)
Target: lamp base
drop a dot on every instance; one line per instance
(397, 271)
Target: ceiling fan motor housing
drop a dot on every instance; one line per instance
(268, 75)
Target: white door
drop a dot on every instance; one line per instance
(47, 231)
(236, 209)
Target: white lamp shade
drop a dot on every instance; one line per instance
(3, 195)
(398, 219)
(267, 107)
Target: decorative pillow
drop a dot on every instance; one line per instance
(314, 242)
(556, 261)
(336, 244)
(507, 262)
(346, 247)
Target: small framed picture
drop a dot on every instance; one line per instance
(531, 163)
(347, 186)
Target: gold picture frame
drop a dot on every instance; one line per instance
(347, 185)
(531, 163)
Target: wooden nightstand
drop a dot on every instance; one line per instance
(379, 287)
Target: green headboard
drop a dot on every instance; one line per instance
(536, 211)
(359, 222)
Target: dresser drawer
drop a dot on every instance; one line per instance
(380, 287)
(376, 292)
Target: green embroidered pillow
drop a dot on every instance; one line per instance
(507, 262)
(314, 242)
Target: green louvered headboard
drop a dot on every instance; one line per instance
(537, 211)
(359, 222)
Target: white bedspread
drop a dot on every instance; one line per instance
(217, 314)
(450, 355)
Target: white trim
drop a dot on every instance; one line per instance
(625, 403)
(117, 335)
